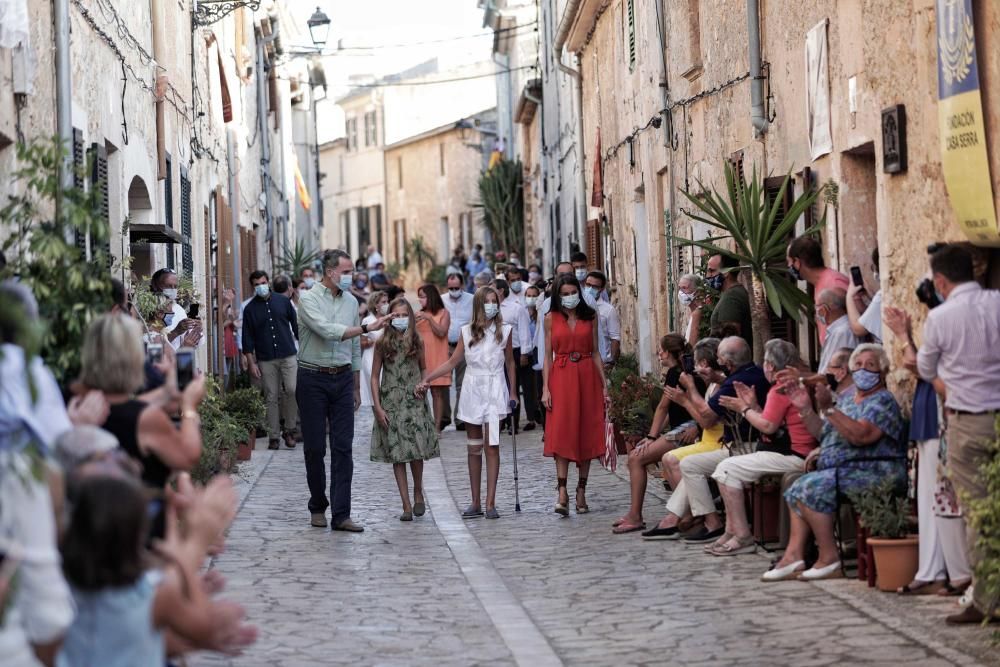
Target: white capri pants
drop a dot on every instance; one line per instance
(695, 470)
(738, 471)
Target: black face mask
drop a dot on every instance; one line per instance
(794, 273)
(715, 282)
(926, 293)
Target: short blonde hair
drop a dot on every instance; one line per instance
(113, 357)
(877, 350)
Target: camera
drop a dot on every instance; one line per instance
(154, 352)
(926, 293)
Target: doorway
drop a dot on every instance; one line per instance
(857, 224)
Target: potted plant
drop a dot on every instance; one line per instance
(885, 515)
(634, 398)
(221, 434)
(246, 406)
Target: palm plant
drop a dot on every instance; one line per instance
(501, 198)
(759, 227)
(418, 251)
(295, 258)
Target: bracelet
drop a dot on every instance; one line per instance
(190, 414)
(651, 437)
(745, 411)
(364, 328)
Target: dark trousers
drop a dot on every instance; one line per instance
(327, 401)
(529, 395)
(539, 387)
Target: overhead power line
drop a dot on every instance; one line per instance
(392, 84)
(375, 47)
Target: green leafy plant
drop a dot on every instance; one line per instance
(221, 433)
(418, 251)
(246, 406)
(295, 258)
(634, 397)
(437, 275)
(501, 199)
(884, 511)
(750, 218)
(984, 517)
(42, 226)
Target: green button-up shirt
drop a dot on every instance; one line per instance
(323, 319)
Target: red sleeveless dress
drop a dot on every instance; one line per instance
(574, 428)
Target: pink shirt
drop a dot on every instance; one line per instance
(779, 410)
(829, 279)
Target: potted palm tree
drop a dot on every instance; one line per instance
(758, 226)
(885, 514)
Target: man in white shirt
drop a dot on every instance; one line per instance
(961, 347)
(459, 305)
(516, 282)
(866, 320)
(183, 331)
(609, 329)
(516, 315)
(374, 259)
(831, 312)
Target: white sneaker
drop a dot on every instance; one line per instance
(831, 571)
(782, 573)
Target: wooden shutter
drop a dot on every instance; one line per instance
(208, 314)
(630, 9)
(80, 237)
(99, 184)
(168, 206)
(223, 267)
(187, 257)
(594, 245)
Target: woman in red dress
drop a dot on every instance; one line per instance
(574, 391)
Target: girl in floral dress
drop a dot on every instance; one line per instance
(486, 347)
(404, 430)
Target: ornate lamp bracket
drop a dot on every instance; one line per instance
(207, 12)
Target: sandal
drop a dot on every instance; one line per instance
(917, 587)
(743, 545)
(561, 508)
(581, 485)
(626, 527)
(718, 543)
(954, 590)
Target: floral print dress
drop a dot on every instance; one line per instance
(411, 435)
(843, 467)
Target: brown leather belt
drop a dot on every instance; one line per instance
(328, 370)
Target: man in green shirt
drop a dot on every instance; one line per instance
(329, 387)
(733, 308)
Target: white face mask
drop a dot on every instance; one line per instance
(686, 298)
(581, 274)
(171, 293)
(455, 292)
(384, 308)
(533, 277)
(308, 282)
(516, 286)
(400, 323)
(491, 310)
(530, 301)
(570, 302)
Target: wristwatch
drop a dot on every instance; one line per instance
(364, 328)
(829, 410)
(745, 410)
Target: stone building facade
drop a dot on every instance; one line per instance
(431, 190)
(640, 58)
(187, 113)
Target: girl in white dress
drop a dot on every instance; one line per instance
(378, 305)
(486, 347)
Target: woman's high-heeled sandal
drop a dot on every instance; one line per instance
(581, 484)
(561, 508)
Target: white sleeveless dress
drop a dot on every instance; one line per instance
(367, 359)
(484, 389)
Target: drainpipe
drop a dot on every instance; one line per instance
(64, 89)
(265, 133)
(668, 215)
(582, 185)
(757, 115)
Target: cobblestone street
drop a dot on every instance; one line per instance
(534, 589)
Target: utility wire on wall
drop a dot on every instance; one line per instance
(392, 84)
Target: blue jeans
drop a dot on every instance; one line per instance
(327, 401)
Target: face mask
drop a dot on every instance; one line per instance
(877, 282)
(516, 261)
(384, 309)
(530, 301)
(491, 310)
(454, 292)
(715, 282)
(171, 293)
(168, 319)
(360, 284)
(581, 274)
(309, 282)
(570, 302)
(592, 292)
(516, 286)
(821, 319)
(533, 276)
(345, 282)
(262, 291)
(794, 273)
(400, 323)
(865, 379)
(685, 298)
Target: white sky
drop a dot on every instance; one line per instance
(381, 23)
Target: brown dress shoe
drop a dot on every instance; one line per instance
(318, 519)
(970, 615)
(273, 444)
(349, 526)
(290, 439)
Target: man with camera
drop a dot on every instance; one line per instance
(270, 331)
(184, 328)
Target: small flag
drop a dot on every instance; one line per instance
(300, 187)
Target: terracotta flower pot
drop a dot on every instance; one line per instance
(243, 451)
(896, 561)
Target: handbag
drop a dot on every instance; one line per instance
(778, 442)
(945, 499)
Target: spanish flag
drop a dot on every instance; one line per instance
(300, 186)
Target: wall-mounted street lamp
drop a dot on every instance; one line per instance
(319, 27)
(207, 12)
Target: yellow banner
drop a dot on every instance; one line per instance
(964, 160)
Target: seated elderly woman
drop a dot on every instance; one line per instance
(673, 350)
(860, 445)
(687, 293)
(785, 442)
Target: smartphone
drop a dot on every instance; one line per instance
(154, 352)
(687, 362)
(185, 367)
(193, 311)
(856, 276)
